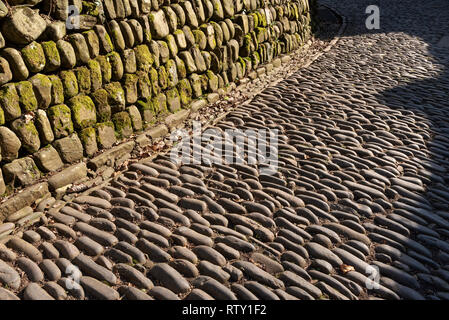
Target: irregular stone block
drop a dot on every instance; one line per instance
(21, 172)
(60, 118)
(23, 26)
(89, 140)
(27, 133)
(26, 198)
(70, 148)
(122, 123)
(16, 64)
(48, 160)
(83, 111)
(9, 101)
(42, 90)
(105, 135)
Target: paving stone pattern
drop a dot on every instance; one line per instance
(362, 183)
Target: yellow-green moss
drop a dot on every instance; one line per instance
(27, 99)
(83, 77)
(106, 69)
(52, 58)
(34, 57)
(144, 58)
(60, 118)
(70, 83)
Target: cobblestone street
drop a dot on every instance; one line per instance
(362, 187)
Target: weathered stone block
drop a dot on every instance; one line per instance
(42, 89)
(173, 100)
(116, 96)
(89, 140)
(136, 118)
(27, 133)
(80, 46)
(9, 101)
(9, 144)
(57, 90)
(123, 124)
(34, 57)
(17, 65)
(5, 71)
(27, 99)
(66, 53)
(23, 26)
(83, 78)
(48, 159)
(26, 198)
(69, 148)
(159, 25)
(105, 135)
(69, 83)
(61, 120)
(52, 58)
(100, 99)
(21, 172)
(83, 111)
(44, 127)
(68, 176)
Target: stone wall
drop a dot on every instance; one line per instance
(74, 84)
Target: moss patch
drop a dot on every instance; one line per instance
(27, 99)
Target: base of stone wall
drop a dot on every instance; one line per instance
(56, 189)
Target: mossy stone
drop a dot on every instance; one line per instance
(172, 46)
(2, 119)
(92, 8)
(143, 85)
(9, 101)
(181, 67)
(116, 96)
(93, 43)
(27, 99)
(185, 91)
(83, 111)
(159, 104)
(200, 38)
(173, 100)
(147, 111)
(27, 133)
(164, 51)
(106, 69)
(129, 61)
(144, 58)
(69, 83)
(136, 118)
(105, 134)
(61, 120)
(195, 83)
(83, 77)
(34, 57)
(52, 58)
(153, 74)
(57, 90)
(163, 78)
(172, 73)
(180, 39)
(96, 78)
(116, 64)
(218, 10)
(123, 124)
(130, 87)
(155, 53)
(100, 98)
(88, 138)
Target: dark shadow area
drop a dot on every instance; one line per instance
(409, 54)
